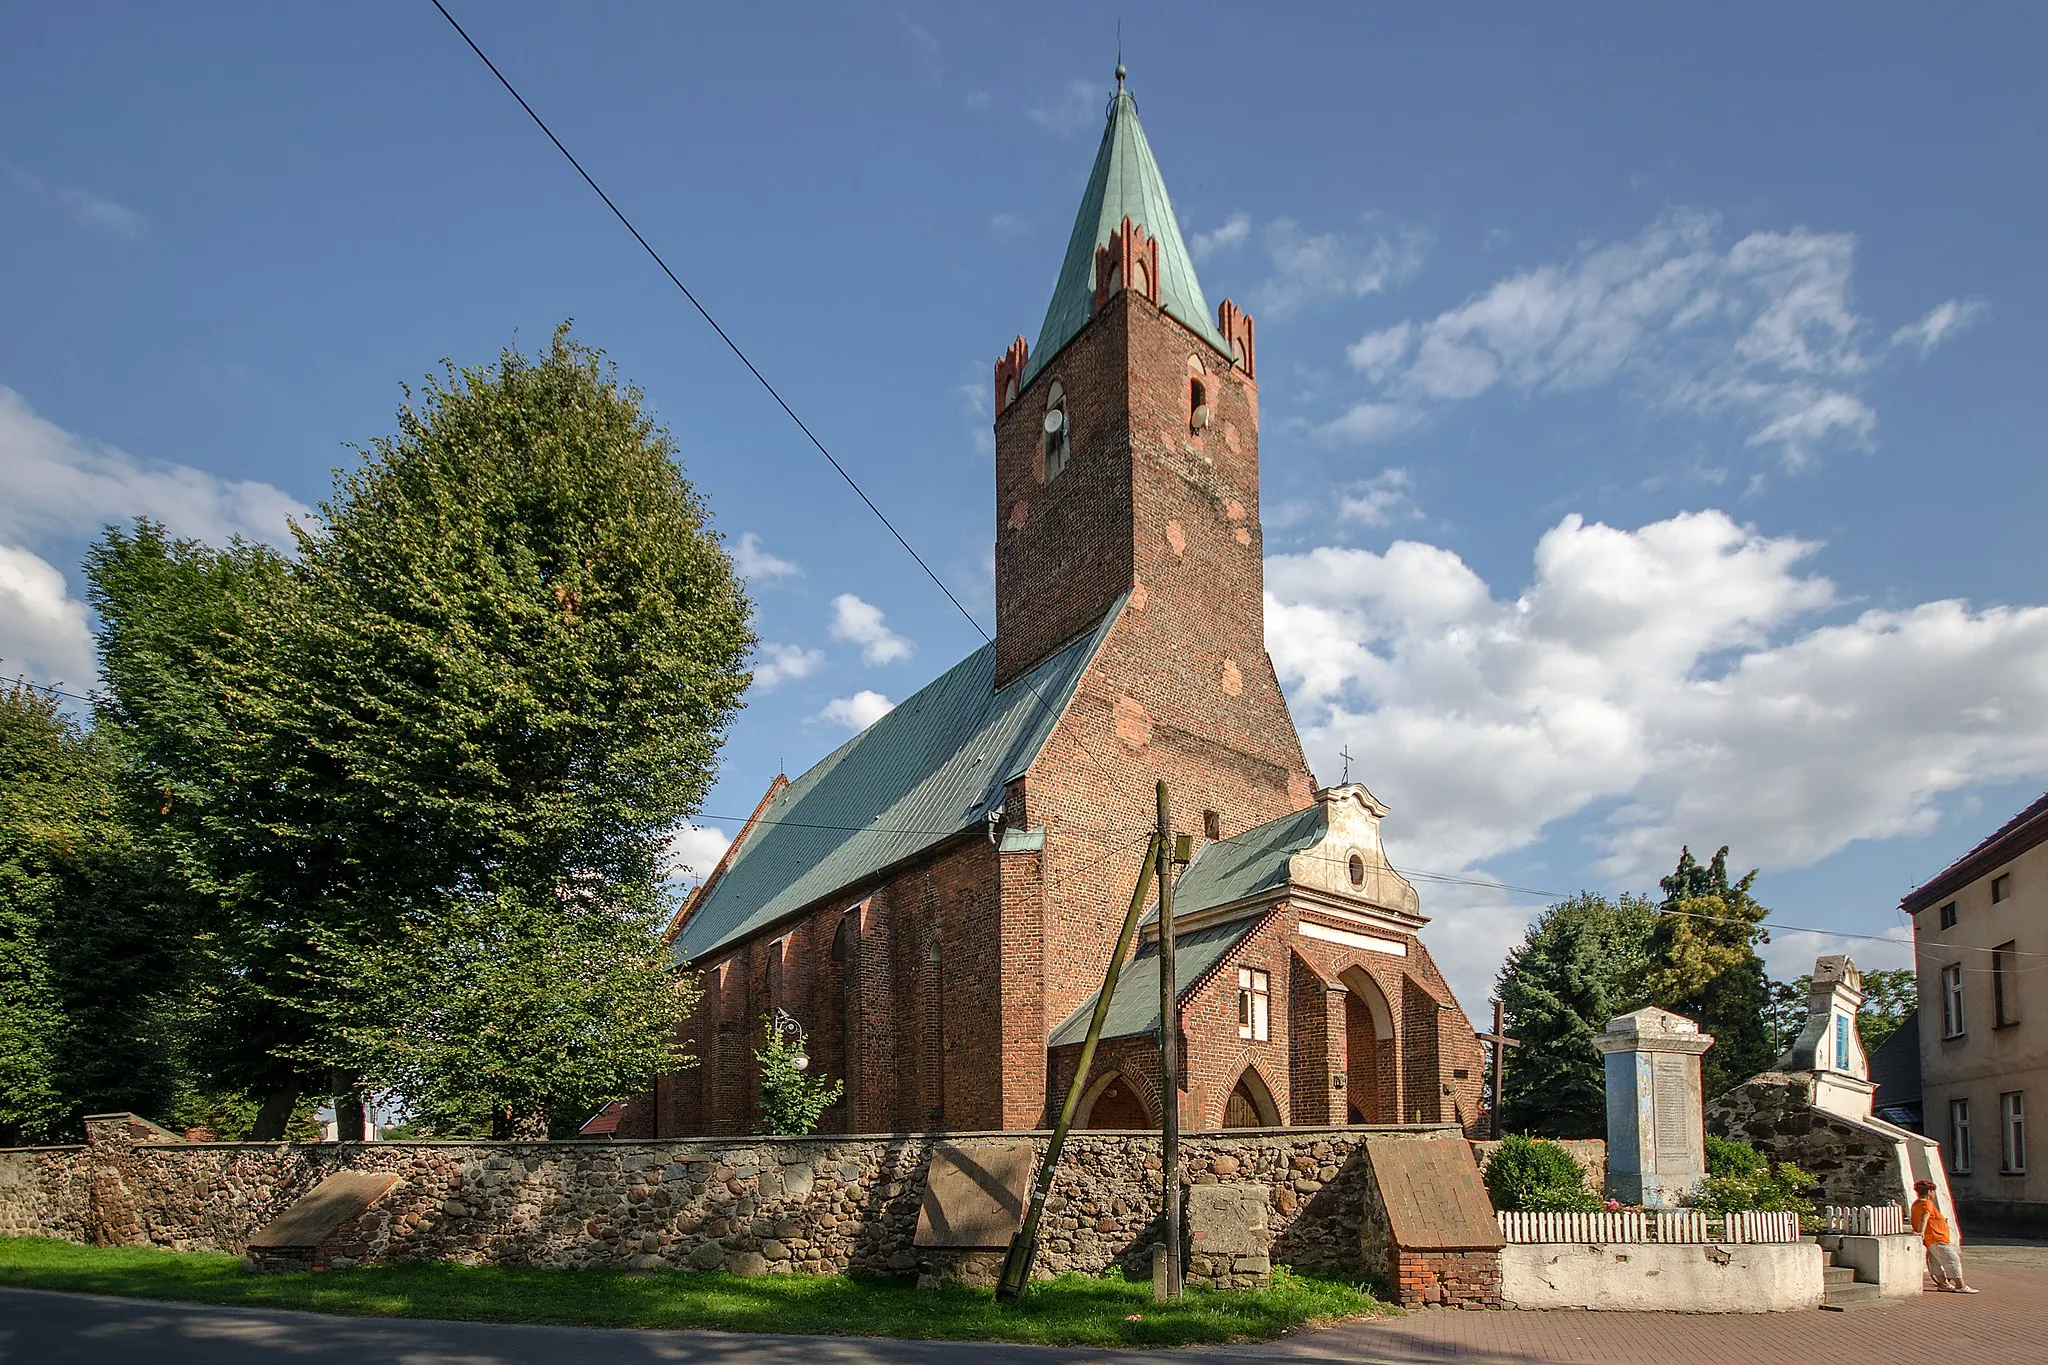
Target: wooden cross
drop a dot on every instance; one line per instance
(1498, 1083)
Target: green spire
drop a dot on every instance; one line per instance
(1124, 183)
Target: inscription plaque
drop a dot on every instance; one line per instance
(1670, 1112)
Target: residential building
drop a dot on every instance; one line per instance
(1983, 972)
(935, 901)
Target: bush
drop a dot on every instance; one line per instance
(1529, 1175)
(1741, 1179)
(1726, 1157)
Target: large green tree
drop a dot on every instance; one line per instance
(89, 949)
(423, 772)
(1581, 964)
(1704, 965)
(195, 644)
(522, 647)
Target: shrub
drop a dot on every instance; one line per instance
(1529, 1175)
(1726, 1157)
(1742, 1179)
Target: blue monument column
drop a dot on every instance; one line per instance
(1656, 1134)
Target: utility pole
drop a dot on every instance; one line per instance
(1169, 1056)
(1024, 1246)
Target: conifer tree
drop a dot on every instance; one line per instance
(1704, 966)
(1581, 964)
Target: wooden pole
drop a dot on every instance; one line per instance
(1024, 1246)
(1169, 1056)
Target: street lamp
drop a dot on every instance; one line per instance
(782, 1021)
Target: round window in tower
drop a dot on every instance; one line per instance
(1357, 870)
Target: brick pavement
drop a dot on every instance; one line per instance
(2006, 1322)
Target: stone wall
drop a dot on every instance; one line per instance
(752, 1206)
(1774, 1113)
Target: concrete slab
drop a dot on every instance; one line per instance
(974, 1195)
(1434, 1197)
(319, 1214)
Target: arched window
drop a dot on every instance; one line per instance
(1057, 437)
(1198, 405)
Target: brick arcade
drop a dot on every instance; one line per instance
(936, 900)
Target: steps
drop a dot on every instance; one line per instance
(1844, 1292)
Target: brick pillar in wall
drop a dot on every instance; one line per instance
(1317, 1038)
(1021, 889)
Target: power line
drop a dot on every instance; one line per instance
(705, 313)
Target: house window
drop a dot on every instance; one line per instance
(1948, 915)
(1056, 433)
(2004, 1007)
(2001, 887)
(1254, 1005)
(1959, 1136)
(1952, 1001)
(1212, 825)
(2012, 1131)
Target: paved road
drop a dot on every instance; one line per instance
(2005, 1325)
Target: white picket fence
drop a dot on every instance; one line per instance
(1865, 1220)
(1658, 1225)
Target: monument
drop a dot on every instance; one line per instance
(1656, 1139)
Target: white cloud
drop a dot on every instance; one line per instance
(775, 665)
(1672, 681)
(695, 850)
(43, 632)
(87, 209)
(55, 483)
(754, 563)
(1008, 227)
(858, 711)
(1381, 500)
(1943, 321)
(1362, 423)
(860, 623)
(1080, 106)
(1310, 267)
(1236, 231)
(1762, 330)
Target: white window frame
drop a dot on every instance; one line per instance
(1254, 1004)
(1959, 1136)
(2012, 1132)
(1953, 1022)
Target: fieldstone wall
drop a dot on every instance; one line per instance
(752, 1206)
(1774, 1112)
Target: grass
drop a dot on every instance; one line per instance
(1074, 1310)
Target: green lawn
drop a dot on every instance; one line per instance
(1071, 1311)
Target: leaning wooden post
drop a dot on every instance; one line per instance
(1024, 1246)
(1169, 1054)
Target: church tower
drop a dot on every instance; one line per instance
(1127, 457)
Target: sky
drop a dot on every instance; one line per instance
(1650, 455)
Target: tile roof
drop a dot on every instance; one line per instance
(2005, 843)
(1124, 183)
(934, 766)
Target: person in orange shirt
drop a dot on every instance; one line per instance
(1944, 1261)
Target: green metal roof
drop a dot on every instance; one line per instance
(932, 767)
(1221, 873)
(1237, 868)
(1125, 182)
(1134, 1009)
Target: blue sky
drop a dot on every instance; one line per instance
(1651, 441)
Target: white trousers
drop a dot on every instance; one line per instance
(1945, 1263)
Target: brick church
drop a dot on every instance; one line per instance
(935, 901)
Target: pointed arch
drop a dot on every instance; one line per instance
(1114, 1100)
(1371, 1061)
(1250, 1103)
